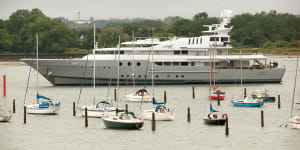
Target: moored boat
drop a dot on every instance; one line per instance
(264, 95)
(177, 60)
(295, 122)
(248, 102)
(162, 113)
(99, 110)
(213, 118)
(139, 95)
(126, 120)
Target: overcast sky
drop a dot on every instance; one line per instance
(152, 9)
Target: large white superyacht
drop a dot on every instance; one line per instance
(185, 60)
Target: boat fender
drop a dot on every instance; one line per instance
(224, 115)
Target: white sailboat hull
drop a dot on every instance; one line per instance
(42, 111)
(137, 98)
(94, 112)
(5, 118)
(295, 122)
(166, 116)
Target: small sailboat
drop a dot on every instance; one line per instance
(102, 108)
(126, 120)
(139, 95)
(214, 118)
(123, 120)
(264, 95)
(247, 101)
(5, 112)
(162, 113)
(98, 110)
(46, 107)
(217, 94)
(294, 121)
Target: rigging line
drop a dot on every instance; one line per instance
(110, 80)
(146, 73)
(83, 78)
(29, 74)
(295, 86)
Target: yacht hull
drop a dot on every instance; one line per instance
(71, 72)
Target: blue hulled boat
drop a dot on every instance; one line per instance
(247, 102)
(264, 95)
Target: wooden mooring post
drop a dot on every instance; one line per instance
(24, 114)
(165, 96)
(262, 118)
(188, 114)
(74, 110)
(226, 126)
(4, 86)
(86, 118)
(245, 92)
(193, 92)
(14, 106)
(115, 94)
(278, 101)
(126, 107)
(153, 122)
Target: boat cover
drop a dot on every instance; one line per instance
(41, 96)
(211, 109)
(155, 102)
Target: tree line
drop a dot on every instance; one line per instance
(261, 30)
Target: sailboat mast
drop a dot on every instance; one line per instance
(241, 65)
(37, 65)
(118, 79)
(152, 66)
(214, 66)
(133, 75)
(94, 72)
(294, 86)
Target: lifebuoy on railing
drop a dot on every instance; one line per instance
(224, 115)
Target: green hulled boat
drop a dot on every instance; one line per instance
(126, 120)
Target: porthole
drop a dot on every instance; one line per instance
(129, 63)
(122, 76)
(127, 76)
(120, 64)
(138, 64)
(140, 76)
(182, 76)
(108, 67)
(168, 76)
(156, 76)
(176, 76)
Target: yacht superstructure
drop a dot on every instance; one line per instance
(177, 61)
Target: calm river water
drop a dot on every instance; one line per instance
(64, 131)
